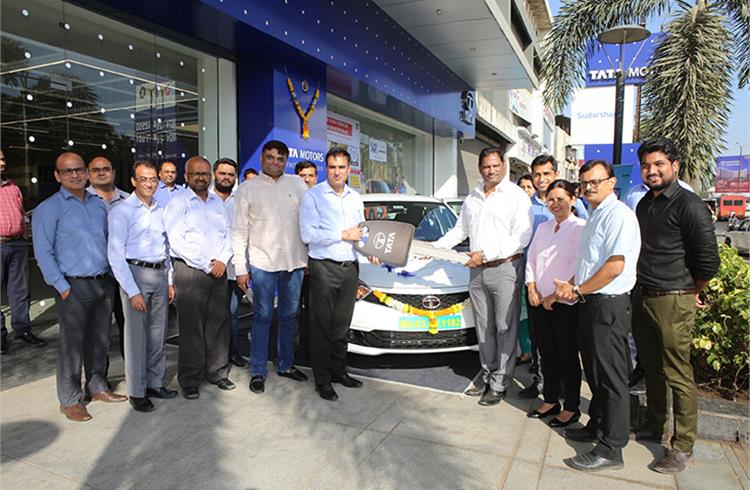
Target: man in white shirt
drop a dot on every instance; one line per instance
(497, 218)
(225, 177)
(265, 225)
(138, 254)
(198, 233)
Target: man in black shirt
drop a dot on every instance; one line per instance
(678, 258)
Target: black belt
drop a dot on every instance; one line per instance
(665, 292)
(88, 278)
(595, 296)
(147, 265)
(342, 263)
(6, 239)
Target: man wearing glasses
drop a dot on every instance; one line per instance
(605, 274)
(198, 232)
(102, 180)
(67, 226)
(138, 253)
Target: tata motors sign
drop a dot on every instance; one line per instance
(637, 59)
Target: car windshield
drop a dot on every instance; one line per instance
(432, 220)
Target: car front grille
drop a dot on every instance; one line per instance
(415, 300)
(384, 339)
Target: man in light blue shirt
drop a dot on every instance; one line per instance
(329, 217)
(138, 254)
(199, 238)
(605, 274)
(70, 245)
(168, 185)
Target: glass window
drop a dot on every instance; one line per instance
(393, 157)
(738, 202)
(431, 220)
(78, 81)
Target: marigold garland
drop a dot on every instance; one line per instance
(304, 115)
(411, 310)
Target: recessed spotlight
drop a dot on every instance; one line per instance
(182, 94)
(203, 128)
(158, 54)
(244, 11)
(131, 82)
(29, 97)
(182, 124)
(158, 120)
(182, 63)
(132, 116)
(68, 104)
(159, 153)
(102, 110)
(203, 99)
(132, 150)
(267, 23)
(32, 139)
(203, 70)
(130, 47)
(101, 73)
(70, 143)
(183, 155)
(25, 12)
(34, 180)
(27, 55)
(100, 37)
(66, 26)
(68, 65)
(104, 146)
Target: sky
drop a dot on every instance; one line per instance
(738, 130)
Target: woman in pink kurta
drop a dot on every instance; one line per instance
(552, 256)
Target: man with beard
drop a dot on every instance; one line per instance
(198, 233)
(678, 257)
(138, 253)
(225, 176)
(68, 226)
(497, 219)
(266, 227)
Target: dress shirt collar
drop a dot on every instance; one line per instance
(536, 199)
(118, 193)
(267, 178)
(328, 189)
(669, 191)
(136, 202)
(5, 182)
(212, 190)
(499, 188)
(66, 194)
(193, 196)
(609, 200)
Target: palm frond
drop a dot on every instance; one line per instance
(688, 91)
(738, 12)
(564, 49)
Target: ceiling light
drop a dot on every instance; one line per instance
(439, 11)
(32, 139)
(130, 47)
(132, 150)
(25, 12)
(27, 55)
(34, 180)
(70, 142)
(132, 116)
(29, 97)
(104, 146)
(69, 104)
(68, 65)
(100, 37)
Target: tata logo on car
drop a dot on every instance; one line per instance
(381, 240)
(430, 302)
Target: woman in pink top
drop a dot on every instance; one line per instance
(552, 255)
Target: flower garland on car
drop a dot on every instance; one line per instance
(411, 310)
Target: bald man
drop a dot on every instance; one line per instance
(198, 231)
(168, 185)
(70, 245)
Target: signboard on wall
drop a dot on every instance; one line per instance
(378, 150)
(519, 101)
(156, 122)
(342, 130)
(592, 116)
(733, 174)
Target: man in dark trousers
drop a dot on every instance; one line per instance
(67, 226)
(605, 275)
(678, 257)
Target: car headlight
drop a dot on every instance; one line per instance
(362, 291)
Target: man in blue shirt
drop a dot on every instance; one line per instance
(68, 226)
(605, 274)
(329, 217)
(168, 185)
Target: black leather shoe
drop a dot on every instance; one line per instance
(347, 381)
(141, 404)
(583, 434)
(3, 345)
(225, 384)
(327, 392)
(476, 389)
(31, 339)
(191, 393)
(257, 384)
(491, 397)
(536, 414)
(294, 374)
(591, 461)
(161, 393)
(238, 361)
(557, 423)
(530, 392)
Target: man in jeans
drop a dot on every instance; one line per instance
(15, 257)
(265, 227)
(678, 258)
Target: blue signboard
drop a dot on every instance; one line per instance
(637, 59)
(733, 174)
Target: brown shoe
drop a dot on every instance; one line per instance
(108, 396)
(672, 462)
(76, 413)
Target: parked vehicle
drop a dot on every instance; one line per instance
(740, 237)
(729, 204)
(428, 285)
(455, 204)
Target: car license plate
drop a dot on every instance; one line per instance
(421, 323)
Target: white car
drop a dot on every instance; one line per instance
(430, 285)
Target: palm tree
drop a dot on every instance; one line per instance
(687, 94)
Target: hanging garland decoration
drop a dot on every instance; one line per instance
(411, 310)
(304, 115)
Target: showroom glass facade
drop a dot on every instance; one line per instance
(74, 80)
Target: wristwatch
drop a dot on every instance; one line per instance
(577, 291)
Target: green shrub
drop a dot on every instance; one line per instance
(721, 335)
